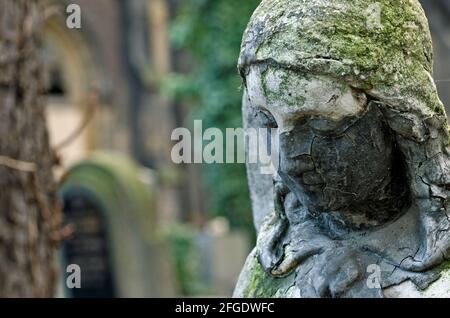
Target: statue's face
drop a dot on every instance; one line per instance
(334, 150)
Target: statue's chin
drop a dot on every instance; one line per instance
(292, 240)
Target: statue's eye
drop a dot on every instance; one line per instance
(327, 127)
(266, 119)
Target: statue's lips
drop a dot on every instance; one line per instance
(279, 252)
(286, 203)
(291, 207)
(287, 185)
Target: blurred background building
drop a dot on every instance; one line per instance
(136, 70)
(438, 12)
(109, 90)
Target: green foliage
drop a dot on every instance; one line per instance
(185, 259)
(211, 31)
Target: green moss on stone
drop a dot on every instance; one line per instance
(286, 90)
(262, 285)
(334, 38)
(444, 267)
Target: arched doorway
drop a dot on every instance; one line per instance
(72, 79)
(89, 246)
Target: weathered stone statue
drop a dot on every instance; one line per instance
(359, 205)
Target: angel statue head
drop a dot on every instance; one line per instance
(363, 179)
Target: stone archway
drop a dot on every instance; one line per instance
(72, 78)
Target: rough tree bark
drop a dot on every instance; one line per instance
(29, 211)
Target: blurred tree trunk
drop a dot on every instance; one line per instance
(29, 211)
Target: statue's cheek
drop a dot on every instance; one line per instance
(357, 162)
